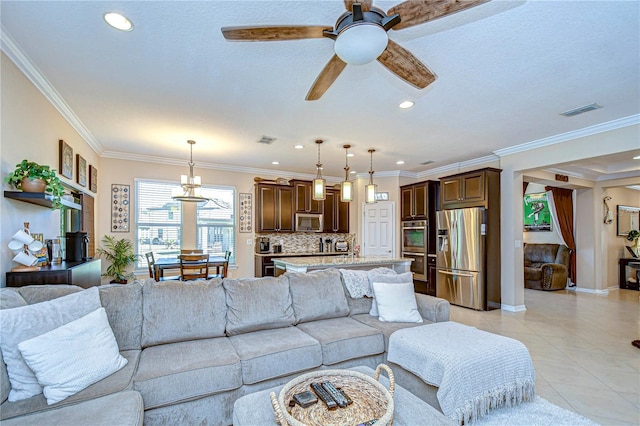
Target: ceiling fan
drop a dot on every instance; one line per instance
(360, 36)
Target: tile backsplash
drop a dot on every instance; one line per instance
(304, 242)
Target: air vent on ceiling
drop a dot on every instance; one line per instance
(580, 110)
(427, 162)
(267, 140)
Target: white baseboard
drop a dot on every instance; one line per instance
(512, 308)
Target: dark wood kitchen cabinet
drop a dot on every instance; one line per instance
(304, 202)
(469, 189)
(418, 199)
(84, 274)
(336, 213)
(274, 208)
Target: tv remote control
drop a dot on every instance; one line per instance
(324, 396)
(335, 394)
(349, 401)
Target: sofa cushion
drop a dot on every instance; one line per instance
(69, 358)
(10, 298)
(26, 322)
(532, 273)
(128, 411)
(185, 370)
(117, 382)
(386, 328)
(318, 295)
(123, 304)
(42, 293)
(268, 354)
(257, 304)
(176, 311)
(344, 338)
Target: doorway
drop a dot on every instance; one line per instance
(378, 229)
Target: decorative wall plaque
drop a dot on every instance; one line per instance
(120, 202)
(93, 178)
(66, 160)
(246, 210)
(81, 170)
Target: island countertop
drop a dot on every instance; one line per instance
(304, 264)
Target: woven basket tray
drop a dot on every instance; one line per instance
(371, 400)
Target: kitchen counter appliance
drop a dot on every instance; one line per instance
(263, 245)
(415, 246)
(342, 246)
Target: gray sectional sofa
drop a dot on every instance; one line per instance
(194, 348)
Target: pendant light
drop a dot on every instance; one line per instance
(346, 187)
(190, 191)
(319, 192)
(370, 188)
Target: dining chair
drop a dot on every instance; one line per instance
(151, 263)
(190, 251)
(194, 266)
(222, 273)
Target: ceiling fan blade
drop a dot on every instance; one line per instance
(274, 33)
(366, 4)
(414, 12)
(402, 63)
(327, 76)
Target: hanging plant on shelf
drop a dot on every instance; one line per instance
(29, 176)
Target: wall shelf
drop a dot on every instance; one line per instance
(39, 199)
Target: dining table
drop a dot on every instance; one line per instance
(164, 263)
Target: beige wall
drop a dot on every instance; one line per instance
(31, 128)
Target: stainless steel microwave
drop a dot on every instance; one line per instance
(308, 222)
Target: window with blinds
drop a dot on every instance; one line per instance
(215, 222)
(159, 221)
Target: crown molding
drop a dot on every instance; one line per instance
(13, 51)
(575, 134)
(456, 167)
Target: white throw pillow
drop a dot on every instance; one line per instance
(25, 322)
(70, 358)
(396, 302)
(385, 275)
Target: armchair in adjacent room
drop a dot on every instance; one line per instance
(546, 266)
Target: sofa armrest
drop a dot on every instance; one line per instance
(433, 309)
(554, 276)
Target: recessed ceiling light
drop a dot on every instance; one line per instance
(118, 21)
(406, 104)
(400, 162)
(298, 146)
(275, 163)
(637, 157)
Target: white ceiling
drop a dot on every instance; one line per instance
(505, 71)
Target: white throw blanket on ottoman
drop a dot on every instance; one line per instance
(474, 370)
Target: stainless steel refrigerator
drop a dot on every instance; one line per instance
(460, 260)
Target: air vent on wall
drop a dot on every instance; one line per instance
(267, 140)
(580, 110)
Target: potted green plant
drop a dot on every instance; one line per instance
(120, 255)
(29, 176)
(634, 237)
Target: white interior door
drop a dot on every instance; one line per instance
(378, 229)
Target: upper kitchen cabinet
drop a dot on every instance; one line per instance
(304, 202)
(274, 208)
(469, 189)
(414, 201)
(336, 213)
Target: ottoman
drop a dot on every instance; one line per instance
(474, 371)
(256, 409)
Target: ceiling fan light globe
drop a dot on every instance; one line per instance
(361, 43)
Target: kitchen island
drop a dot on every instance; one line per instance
(310, 263)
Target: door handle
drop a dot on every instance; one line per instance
(457, 273)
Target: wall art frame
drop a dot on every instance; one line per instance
(65, 168)
(537, 215)
(81, 170)
(93, 179)
(246, 210)
(120, 203)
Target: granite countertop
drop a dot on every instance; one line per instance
(311, 261)
(304, 253)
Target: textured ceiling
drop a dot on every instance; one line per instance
(505, 72)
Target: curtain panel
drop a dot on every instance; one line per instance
(563, 200)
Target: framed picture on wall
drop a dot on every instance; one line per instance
(93, 179)
(66, 160)
(81, 170)
(537, 216)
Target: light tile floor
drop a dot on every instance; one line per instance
(581, 349)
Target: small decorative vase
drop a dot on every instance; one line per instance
(36, 185)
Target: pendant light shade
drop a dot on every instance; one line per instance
(319, 184)
(346, 187)
(190, 185)
(371, 188)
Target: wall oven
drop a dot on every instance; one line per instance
(415, 246)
